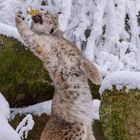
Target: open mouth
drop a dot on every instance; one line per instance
(37, 19)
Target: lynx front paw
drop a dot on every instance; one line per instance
(19, 17)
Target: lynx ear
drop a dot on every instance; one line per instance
(91, 71)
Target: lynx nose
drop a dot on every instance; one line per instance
(37, 19)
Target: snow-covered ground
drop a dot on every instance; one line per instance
(6, 131)
(38, 109)
(4, 107)
(9, 31)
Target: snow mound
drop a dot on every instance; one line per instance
(121, 78)
(4, 107)
(9, 31)
(38, 109)
(6, 131)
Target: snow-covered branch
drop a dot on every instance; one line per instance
(105, 30)
(25, 126)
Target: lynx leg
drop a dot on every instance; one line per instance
(23, 30)
(31, 39)
(57, 129)
(91, 71)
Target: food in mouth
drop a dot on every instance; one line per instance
(37, 19)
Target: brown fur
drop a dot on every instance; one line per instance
(71, 116)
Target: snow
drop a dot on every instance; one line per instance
(96, 29)
(66, 13)
(25, 126)
(103, 19)
(4, 107)
(121, 78)
(137, 5)
(6, 131)
(38, 109)
(96, 105)
(9, 31)
(8, 9)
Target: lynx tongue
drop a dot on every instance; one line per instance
(37, 19)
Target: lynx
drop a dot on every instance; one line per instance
(71, 114)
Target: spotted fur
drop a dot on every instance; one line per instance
(71, 116)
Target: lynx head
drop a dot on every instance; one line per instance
(44, 22)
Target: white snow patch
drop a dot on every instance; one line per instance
(96, 105)
(137, 5)
(9, 31)
(38, 109)
(8, 9)
(6, 131)
(4, 107)
(66, 13)
(121, 78)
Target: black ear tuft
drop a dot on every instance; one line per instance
(59, 13)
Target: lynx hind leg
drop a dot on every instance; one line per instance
(91, 71)
(65, 131)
